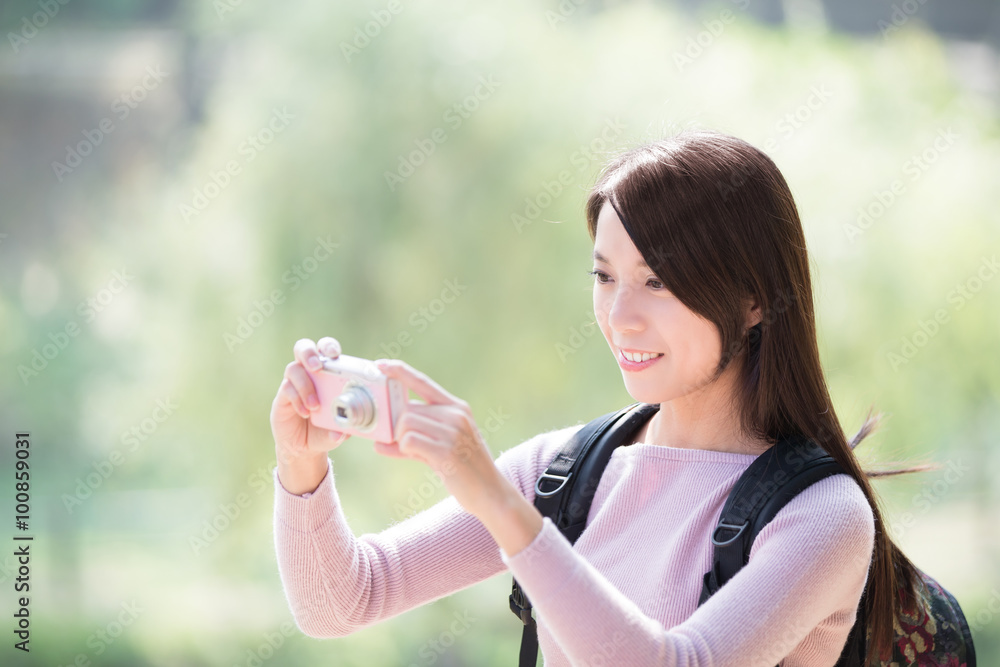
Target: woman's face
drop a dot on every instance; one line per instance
(637, 314)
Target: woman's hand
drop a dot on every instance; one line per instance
(443, 434)
(300, 446)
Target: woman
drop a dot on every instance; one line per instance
(702, 291)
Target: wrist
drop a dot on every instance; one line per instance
(494, 500)
(302, 474)
(513, 522)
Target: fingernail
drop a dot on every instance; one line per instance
(312, 401)
(314, 363)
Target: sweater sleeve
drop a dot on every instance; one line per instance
(809, 563)
(336, 583)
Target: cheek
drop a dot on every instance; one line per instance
(702, 343)
(602, 306)
(599, 302)
(691, 341)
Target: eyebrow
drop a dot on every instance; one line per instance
(598, 257)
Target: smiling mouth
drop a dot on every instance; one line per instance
(636, 356)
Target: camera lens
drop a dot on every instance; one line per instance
(355, 407)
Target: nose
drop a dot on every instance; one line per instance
(624, 313)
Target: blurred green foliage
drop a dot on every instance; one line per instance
(843, 117)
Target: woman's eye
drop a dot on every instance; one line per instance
(599, 276)
(602, 279)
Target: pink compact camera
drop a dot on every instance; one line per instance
(356, 397)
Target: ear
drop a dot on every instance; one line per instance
(754, 314)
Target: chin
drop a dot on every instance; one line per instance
(646, 392)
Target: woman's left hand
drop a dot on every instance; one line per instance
(443, 434)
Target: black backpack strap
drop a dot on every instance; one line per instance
(565, 490)
(773, 479)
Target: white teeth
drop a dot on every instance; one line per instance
(645, 356)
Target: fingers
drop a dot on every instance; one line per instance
(412, 445)
(298, 386)
(303, 384)
(389, 449)
(306, 354)
(288, 393)
(329, 347)
(426, 388)
(302, 394)
(413, 421)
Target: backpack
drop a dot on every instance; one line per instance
(936, 632)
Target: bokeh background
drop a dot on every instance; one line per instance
(190, 187)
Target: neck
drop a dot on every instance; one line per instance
(667, 434)
(700, 420)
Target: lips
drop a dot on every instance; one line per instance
(633, 366)
(638, 355)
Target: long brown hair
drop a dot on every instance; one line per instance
(715, 220)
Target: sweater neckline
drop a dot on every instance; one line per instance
(643, 449)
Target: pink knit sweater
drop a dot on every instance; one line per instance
(627, 592)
